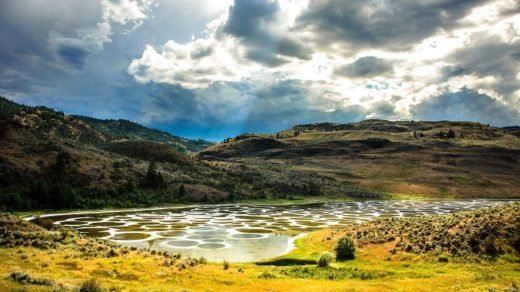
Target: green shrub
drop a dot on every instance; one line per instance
(325, 259)
(489, 246)
(267, 275)
(225, 264)
(91, 286)
(24, 278)
(443, 258)
(346, 248)
(44, 222)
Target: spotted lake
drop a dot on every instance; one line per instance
(241, 232)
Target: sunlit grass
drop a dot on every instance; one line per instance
(375, 268)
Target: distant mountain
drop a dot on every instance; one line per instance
(92, 130)
(122, 130)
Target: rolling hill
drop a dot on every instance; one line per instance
(50, 160)
(462, 159)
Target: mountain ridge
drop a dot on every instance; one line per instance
(54, 161)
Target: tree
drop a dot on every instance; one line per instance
(62, 160)
(325, 259)
(451, 134)
(346, 248)
(153, 179)
(182, 191)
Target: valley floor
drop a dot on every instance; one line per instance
(75, 259)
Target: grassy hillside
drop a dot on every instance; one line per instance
(123, 130)
(446, 159)
(53, 161)
(38, 259)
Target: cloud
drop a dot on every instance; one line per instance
(126, 11)
(193, 65)
(258, 65)
(394, 25)
(365, 67)
(75, 46)
(283, 104)
(249, 19)
(490, 56)
(382, 110)
(75, 56)
(266, 106)
(284, 64)
(262, 26)
(466, 105)
(452, 71)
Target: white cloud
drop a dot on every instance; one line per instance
(417, 72)
(125, 11)
(92, 39)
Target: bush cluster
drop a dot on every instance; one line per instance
(325, 259)
(485, 232)
(24, 278)
(346, 248)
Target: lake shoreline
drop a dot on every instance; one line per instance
(30, 215)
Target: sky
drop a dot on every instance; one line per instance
(214, 69)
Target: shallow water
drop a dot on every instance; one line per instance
(242, 233)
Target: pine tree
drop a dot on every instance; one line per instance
(153, 179)
(451, 134)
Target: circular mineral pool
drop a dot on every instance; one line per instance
(183, 243)
(212, 245)
(246, 235)
(130, 236)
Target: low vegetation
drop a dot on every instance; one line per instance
(65, 260)
(346, 248)
(483, 233)
(326, 258)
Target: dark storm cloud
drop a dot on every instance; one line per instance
(252, 22)
(74, 56)
(451, 71)
(248, 18)
(293, 48)
(172, 103)
(265, 108)
(290, 102)
(383, 110)
(395, 24)
(489, 56)
(365, 67)
(466, 105)
(27, 60)
(265, 57)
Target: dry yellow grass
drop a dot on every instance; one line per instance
(138, 272)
